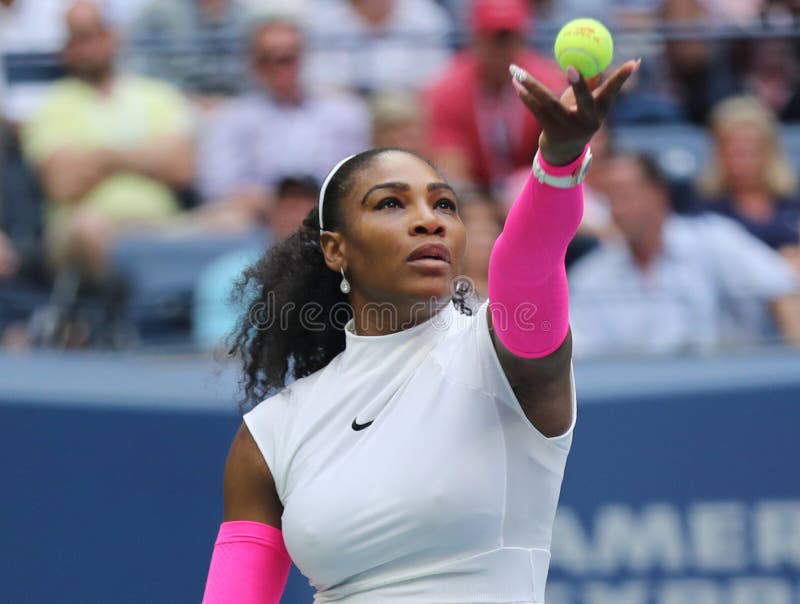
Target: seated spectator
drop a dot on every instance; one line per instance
(770, 71)
(750, 178)
(21, 205)
(111, 149)
(19, 243)
(295, 196)
(676, 283)
(777, 10)
(281, 127)
(9, 259)
(479, 131)
(374, 45)
(397, 122)
(481, 220)
(9, 265)
(215, 313)
(700, 70)
(194, 44)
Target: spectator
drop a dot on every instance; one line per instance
(480, 217)
(214, 313)
(480, 133)
(9, 259)
(750, 178)
(676, 283)
(111, 149)
(194, 44)
(17, 245)
(778, 10)
(700, 70)
(771, 72)
(20, 210)
(279, 128)
(295, 196)
(374, 45)
(397, 122)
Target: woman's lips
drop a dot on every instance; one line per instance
(436, 252)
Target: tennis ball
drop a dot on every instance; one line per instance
(586, 45)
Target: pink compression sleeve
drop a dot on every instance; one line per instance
(250, 565)
(528, 293)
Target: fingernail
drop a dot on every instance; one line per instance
(573, 76)
(638, 64)
(519, 74)
(518, 87)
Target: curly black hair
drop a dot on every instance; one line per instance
(291, 279)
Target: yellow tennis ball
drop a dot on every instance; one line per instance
(586, 45)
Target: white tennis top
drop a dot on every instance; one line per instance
(448, 496)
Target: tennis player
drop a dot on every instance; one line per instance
(418, 456)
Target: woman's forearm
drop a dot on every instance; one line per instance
(528, 293)
(249, 565)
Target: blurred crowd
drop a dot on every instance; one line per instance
(151, 149)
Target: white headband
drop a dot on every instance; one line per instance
(328, 178)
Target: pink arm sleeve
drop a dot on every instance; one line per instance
(250, 565)
(528, 294)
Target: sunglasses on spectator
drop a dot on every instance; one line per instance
(267, 59)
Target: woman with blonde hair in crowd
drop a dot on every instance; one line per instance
(750, 178)
(482, 220)
(397, 121)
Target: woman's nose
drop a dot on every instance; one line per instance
(426, 220)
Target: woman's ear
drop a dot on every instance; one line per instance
(333, 248)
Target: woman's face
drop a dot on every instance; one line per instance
(397, 205)
(743, 155)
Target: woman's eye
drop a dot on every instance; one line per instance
(448, 204)
(388, 202)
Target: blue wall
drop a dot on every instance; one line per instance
(120, 503)
(693, 499)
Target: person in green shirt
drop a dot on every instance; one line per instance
(111, 149)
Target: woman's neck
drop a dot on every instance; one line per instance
(374, 14)
(756, 205)
(384, 318)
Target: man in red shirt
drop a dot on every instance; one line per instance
(473, 113)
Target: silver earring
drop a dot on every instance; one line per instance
(345, 284)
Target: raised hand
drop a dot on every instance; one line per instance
(570, 122)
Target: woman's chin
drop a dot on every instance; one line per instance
(433, 289)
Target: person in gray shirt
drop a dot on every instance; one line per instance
(280, 127)
(672, 283)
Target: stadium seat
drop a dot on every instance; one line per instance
(682, 149)
(162, 273)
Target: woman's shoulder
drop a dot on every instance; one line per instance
(290, 400)
(277, 423)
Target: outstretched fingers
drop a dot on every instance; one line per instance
(584, 98)
(606, 94)
(569, 122)
(547, 108)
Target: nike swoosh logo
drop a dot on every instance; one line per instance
(356, 426)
